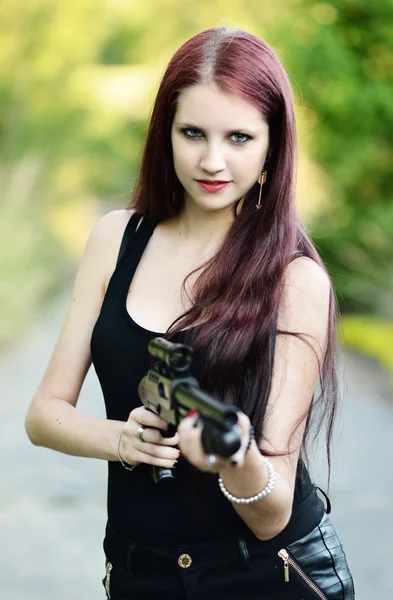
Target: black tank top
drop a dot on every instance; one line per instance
(191, 508)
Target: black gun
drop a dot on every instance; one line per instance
(169, 390)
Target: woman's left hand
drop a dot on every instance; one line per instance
(190, 430)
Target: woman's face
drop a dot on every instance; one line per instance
(217, 137)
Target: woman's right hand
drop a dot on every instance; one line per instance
(155, 449)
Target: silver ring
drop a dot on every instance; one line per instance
(212, 461)
(140, 433)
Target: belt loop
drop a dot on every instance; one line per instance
(244, 554)
(129, 558)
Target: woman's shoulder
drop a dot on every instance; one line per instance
(114, 222)
(110, 227)
(304, 272)
(306, 298)
(108, 233)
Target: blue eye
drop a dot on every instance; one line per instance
(244, 137)
(196, 134)
(188, 135)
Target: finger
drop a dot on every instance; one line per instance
(162, 452)
(191, 427)
(154, 436)
(190, 430)
(237, 459)
(172, 441)
(156, 461)
(148, 418)
(190, 438)
(243, 422)
(213, 463)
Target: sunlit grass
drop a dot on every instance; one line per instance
(368, 335)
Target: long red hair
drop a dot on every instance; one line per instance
(237, 294)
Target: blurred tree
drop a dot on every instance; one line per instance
(77, 81)
(40, 124)
(341, 55)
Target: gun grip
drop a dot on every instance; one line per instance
(169, 431)
(160, 474)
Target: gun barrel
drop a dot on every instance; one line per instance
(193, 397)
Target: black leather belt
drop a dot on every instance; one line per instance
(238, 548)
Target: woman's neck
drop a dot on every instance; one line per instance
(202, 229)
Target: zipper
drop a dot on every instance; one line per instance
(288, 560)
(108, 569)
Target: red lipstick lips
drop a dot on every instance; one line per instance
(212, 186)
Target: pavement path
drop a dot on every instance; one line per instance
(52, 506)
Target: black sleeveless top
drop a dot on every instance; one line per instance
(191, 508)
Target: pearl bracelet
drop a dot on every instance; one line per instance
(126, 466)
(260, 495)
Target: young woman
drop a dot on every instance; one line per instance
(209, 253)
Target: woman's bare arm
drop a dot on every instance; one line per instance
(52, 419)
(304, 309)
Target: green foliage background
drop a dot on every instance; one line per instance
(77, 80)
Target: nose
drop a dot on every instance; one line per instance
(212, 159)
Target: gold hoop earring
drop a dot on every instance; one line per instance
(261, 181)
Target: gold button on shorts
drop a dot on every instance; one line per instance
(184, 561)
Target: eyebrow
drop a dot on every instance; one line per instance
(231, 131)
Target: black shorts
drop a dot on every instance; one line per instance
(237, 567)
